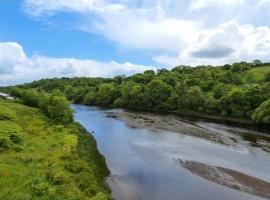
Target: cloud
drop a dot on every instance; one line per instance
(228, 43)
(201, 4)
(49, 7)
(16, 67)
(195, 31)
(213, 52)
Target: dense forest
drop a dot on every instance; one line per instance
(240, 90)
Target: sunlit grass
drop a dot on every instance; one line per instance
(51, 161)
(257, 74)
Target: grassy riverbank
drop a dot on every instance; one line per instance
(42, 160)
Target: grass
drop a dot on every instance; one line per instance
(44, 161)
(256, 74)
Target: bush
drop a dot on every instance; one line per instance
(262, 113)
(31, 98)
(58, 109)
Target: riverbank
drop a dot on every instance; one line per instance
(42, 160)
(186, 126)
(240, 122)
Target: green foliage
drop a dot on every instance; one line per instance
(220, 90)
(31, 98)
(233, 91)
(194, 98)
(156, 92)
(258, 74)
(106, 94)
(6, 113)
(90, 98)
(234, 102)
(58, 109)
(262, 113)
(10, 134)
(15, 91)
(42, 160)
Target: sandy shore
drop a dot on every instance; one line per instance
(229, 178)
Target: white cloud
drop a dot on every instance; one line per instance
(228, 43)
(200, 31)
(141, 32)
(41, 7)
(200, 4)
(16, 67)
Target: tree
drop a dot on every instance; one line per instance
(262, 113)
(131, 95)
(211, 104)
(234, 103)
(90, 98)
(58, 109)
(31, 98)
(156, 92)
(220, 90)
(194, 98)
(106, 94)
(15, 91)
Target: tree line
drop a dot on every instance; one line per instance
(54, 105)
(240, 90)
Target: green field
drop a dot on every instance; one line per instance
(44, 161)
(256, 74)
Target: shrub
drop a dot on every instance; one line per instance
(31, 98)
(58, 110)
(262, 113)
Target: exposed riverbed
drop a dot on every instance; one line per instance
(160, 157)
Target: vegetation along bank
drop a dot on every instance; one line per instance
(236, 92)
(45, 155)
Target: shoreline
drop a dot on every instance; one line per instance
(173, 123)
(198, 116)
(87, 143)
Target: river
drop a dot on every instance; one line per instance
(148, 163)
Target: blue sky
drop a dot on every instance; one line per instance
(55, 38)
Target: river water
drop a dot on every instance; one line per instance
(144, 163)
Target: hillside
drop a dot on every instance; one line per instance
(237, 92)
(40, 159)
(257, 74)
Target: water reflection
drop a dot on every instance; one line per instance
(144, 163)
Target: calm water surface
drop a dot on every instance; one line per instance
(144, 165)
